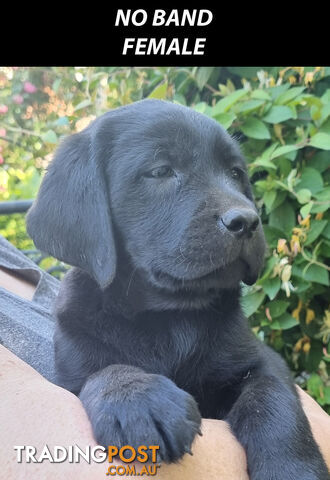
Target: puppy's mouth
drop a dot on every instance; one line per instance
(226, 276)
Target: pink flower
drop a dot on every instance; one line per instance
(18, 99)
(1, 160)
(3, 109)
(29, 87)
(3, 133)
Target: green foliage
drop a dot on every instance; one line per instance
(282, 119)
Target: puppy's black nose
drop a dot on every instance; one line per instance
(241, 222)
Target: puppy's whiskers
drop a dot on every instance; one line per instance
(130, 281)
(211, 261)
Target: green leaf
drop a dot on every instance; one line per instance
(56, 84)
(275, 92)
(251, 302)
(280, 197)
(325, 127)
(314, 385)
(272, 234)
(255, 128)
(304, 195)
(314, 273)
(277, 307)
(320, 208)
(271, 287)
(227, 102)
(270, 264)
(325, 112)
(159, 92)
(325, 248)
(49, 137)
(283, 150)
(300, 285)
(323, 195)
(305, 210)
(269, 151)
(289, 95)
(245, 72)
(269, 198)
(226, 119)
(320, 161)
(202, 76)
(83, 104)
(283, 217)
(310, 179)
(261, 95)
(316, 228)
(60, 122)
(284, 322)
(326, 96)
(314, 356)
(326, 231)
(266, 164)
(278, 114)
(249, 106)
(201, 107)
(320, 140)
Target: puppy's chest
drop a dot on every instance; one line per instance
(177, 347)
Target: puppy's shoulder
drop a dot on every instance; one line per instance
(78, 294)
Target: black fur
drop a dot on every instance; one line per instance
(150, 332)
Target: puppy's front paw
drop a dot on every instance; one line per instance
(298, 469)
(129, 407)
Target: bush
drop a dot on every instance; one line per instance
(281, 117)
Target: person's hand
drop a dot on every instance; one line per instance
(319, 422)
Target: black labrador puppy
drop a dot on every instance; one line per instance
(152, 205)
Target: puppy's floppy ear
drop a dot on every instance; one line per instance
(70, 218)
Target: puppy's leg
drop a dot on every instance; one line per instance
(127, 406)
(268, 420)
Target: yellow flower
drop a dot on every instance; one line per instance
(278, 132)
(300, 70)
(310, 315)
(297, 310)
(306, 347)
(286, 275)
(306, 222)
(309, 77)
(271, 82)
(295, 244)
(325, 329)
(298, 345)
(326, 318)
(303, 343)
(281, 246)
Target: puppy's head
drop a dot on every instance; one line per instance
(168, 182)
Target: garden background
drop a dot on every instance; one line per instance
(280, 116)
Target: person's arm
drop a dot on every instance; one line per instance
(35, 412)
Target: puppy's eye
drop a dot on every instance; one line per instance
(236, 173)
(161, 172)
